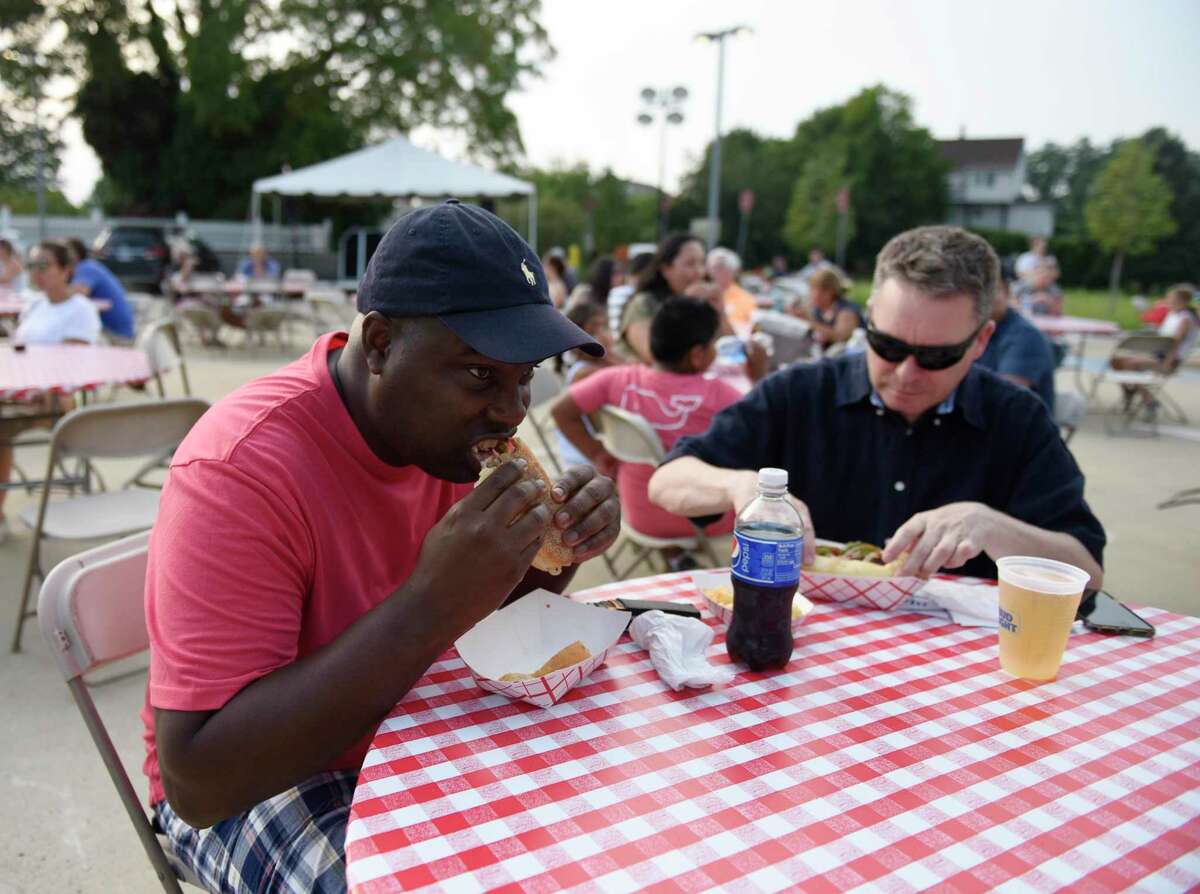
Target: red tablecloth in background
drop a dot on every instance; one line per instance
(892, 754)
(1053, 326)
(66, 369)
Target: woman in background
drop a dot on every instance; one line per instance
(556, 279)
(677, 269)
(56, 316)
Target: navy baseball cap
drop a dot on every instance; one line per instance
(473, 272)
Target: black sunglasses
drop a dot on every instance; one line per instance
(930, 357)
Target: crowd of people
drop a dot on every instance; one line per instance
(356, 547)
(273, 658)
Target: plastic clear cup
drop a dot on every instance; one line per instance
(1038, 601)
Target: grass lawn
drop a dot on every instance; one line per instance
(1094, 304)
(1078, 303)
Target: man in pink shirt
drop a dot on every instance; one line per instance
(320, 544)
(673, 395)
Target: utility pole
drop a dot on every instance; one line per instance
(714, 168)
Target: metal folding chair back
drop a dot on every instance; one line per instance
(148, 429)
(91, 613)
(543, 389)
(204, 320)
(1144, 390)
(631, 439)
(159, 341)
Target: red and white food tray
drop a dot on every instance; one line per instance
(891, 755)
(870, 592)
(521, 637)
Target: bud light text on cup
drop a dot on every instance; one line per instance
(1007, 621)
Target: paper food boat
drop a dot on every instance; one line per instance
(720, 580)
(873, 592)
(521, 637)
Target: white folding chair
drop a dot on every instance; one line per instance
(160, 343)
(146, 429)
(329, 309)
(631, 439)
(201, 319)
(546, 386)
(1144, 396)
(92, 614)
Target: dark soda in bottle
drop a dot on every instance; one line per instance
(768, 546)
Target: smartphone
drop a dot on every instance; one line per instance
(1100, 612)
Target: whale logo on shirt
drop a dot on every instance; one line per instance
(672, 414)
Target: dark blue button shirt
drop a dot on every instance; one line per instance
(864, 470)
(1019, 348)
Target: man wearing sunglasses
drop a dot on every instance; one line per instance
(909, 444)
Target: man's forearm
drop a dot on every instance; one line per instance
(1013, 537)
(292, 723)
(690, 487)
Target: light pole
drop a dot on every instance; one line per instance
(666, 105)
(714, 169)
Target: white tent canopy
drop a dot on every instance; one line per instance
(395, 169)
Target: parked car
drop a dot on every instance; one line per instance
(138, 255)
(141, 255)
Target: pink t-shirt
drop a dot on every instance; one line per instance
(675, 404)
(278, 528)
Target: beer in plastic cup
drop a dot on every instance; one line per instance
(1038, 601)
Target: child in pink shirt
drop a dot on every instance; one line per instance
(673, 395)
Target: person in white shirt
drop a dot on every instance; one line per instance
(1181, 325)
(56, 316)
(1028, 263)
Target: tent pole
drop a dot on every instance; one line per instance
(533, 219)
(256, 217)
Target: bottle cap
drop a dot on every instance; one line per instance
(775, 479)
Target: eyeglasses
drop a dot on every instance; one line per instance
(930, 357)
(41, 265)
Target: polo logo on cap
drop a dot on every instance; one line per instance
(529, 277)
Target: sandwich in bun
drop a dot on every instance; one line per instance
(554, 555)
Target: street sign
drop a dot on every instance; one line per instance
(746, 201)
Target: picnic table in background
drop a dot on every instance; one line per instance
(67, 369)
(891, 754)
(1077, 329)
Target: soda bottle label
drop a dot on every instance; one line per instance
(760, 561)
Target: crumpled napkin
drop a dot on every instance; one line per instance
(677, 649)
(968, 605)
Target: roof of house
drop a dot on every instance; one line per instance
(991, 153)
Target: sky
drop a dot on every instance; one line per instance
(1046, 70)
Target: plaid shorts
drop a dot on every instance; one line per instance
(293, 842)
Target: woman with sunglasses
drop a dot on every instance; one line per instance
(56, 316)
(910, 445)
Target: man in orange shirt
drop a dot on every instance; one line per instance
(724, 266)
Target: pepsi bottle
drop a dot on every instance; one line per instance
(768, 547)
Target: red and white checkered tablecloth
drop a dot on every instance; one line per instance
(1054, 326)
(66, 369)
(891, 754)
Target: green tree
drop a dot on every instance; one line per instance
(898, 175)
(897, 172)
(1128, 208)
(186, 102)
(597, 212)
(1064, 175)
(812, 215)
(764, 165)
